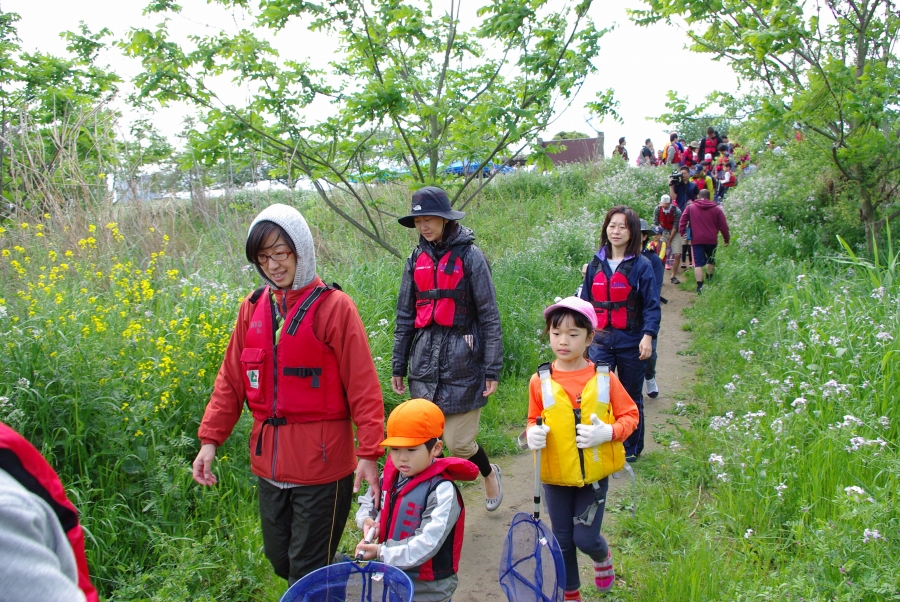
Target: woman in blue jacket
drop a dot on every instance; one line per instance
(620, 284)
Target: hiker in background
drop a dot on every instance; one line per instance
(447, 339)
(622, 288)
(701, 177)
(672, 151)
(681, 189)
(710, 144)
(724, 173)
(575, 490)
(667, 215)
(648, 154)
(421, 522)
(42, 554)
(651, 254)
(302, 446)
(706, 221)
(620, 150)
(689, 157)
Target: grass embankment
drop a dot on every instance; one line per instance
(112, 328)
(786, 485)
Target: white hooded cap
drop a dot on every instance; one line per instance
(292, 222)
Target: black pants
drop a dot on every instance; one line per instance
(302, 526)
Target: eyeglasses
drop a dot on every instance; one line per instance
(262, 258)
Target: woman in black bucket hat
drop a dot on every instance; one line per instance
(447, 342)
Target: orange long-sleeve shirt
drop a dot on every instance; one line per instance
(624, 408)
(307, 453)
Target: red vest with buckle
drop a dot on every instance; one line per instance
(440, 290)
(615, 300)
(667, 220)
(402, 512)
(23, 462)
(297, 380)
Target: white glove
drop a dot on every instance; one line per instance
(537, 437)
(593, 434)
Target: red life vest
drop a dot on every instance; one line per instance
(440, 289)
(710, 146)
(298, 380)
(402, 510)
(690, 159)
(615, 300)
(24, 463)
(667, 220)
(672, 147)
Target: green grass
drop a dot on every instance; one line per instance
(107, 365)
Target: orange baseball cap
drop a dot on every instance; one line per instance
(413, 423)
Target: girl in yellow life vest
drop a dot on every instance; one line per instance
(587, 414)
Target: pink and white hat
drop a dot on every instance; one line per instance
(575, 304)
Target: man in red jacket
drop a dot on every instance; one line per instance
(299, 355)
(706, 220)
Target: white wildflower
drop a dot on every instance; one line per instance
(780, 488)
(747, 354)
(383, 322)
(878, 293)
(754, 322)
(798, 404)
(716, 459)
(729, 387)
(741, 333)
(885, 422)
(722, 476)
(674, 445)
(854, 491)
(748, 533)
(718, 423)
(871, 535)
(3, 312)
(24, 383)
(884, 336)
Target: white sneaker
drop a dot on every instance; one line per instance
(652, 389)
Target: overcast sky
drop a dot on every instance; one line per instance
(640, 64)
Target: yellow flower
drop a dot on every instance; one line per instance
(24, 225)
(6, 253)
(138, 433)
(92, 228)
(69, 253)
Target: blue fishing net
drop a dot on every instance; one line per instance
(350, 582)
(531, 567)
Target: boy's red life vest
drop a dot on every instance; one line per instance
(402, 510)
(297, 380)
(615, 300)
(24, 463)
(710, 146)
(689, 158)
(440, 289)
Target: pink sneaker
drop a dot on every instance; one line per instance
(573, 595)
(604, 575)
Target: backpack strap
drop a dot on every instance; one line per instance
(257, 294)
(304, 307)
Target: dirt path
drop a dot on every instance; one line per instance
(485, 532)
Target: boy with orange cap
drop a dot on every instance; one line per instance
(420, 524)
